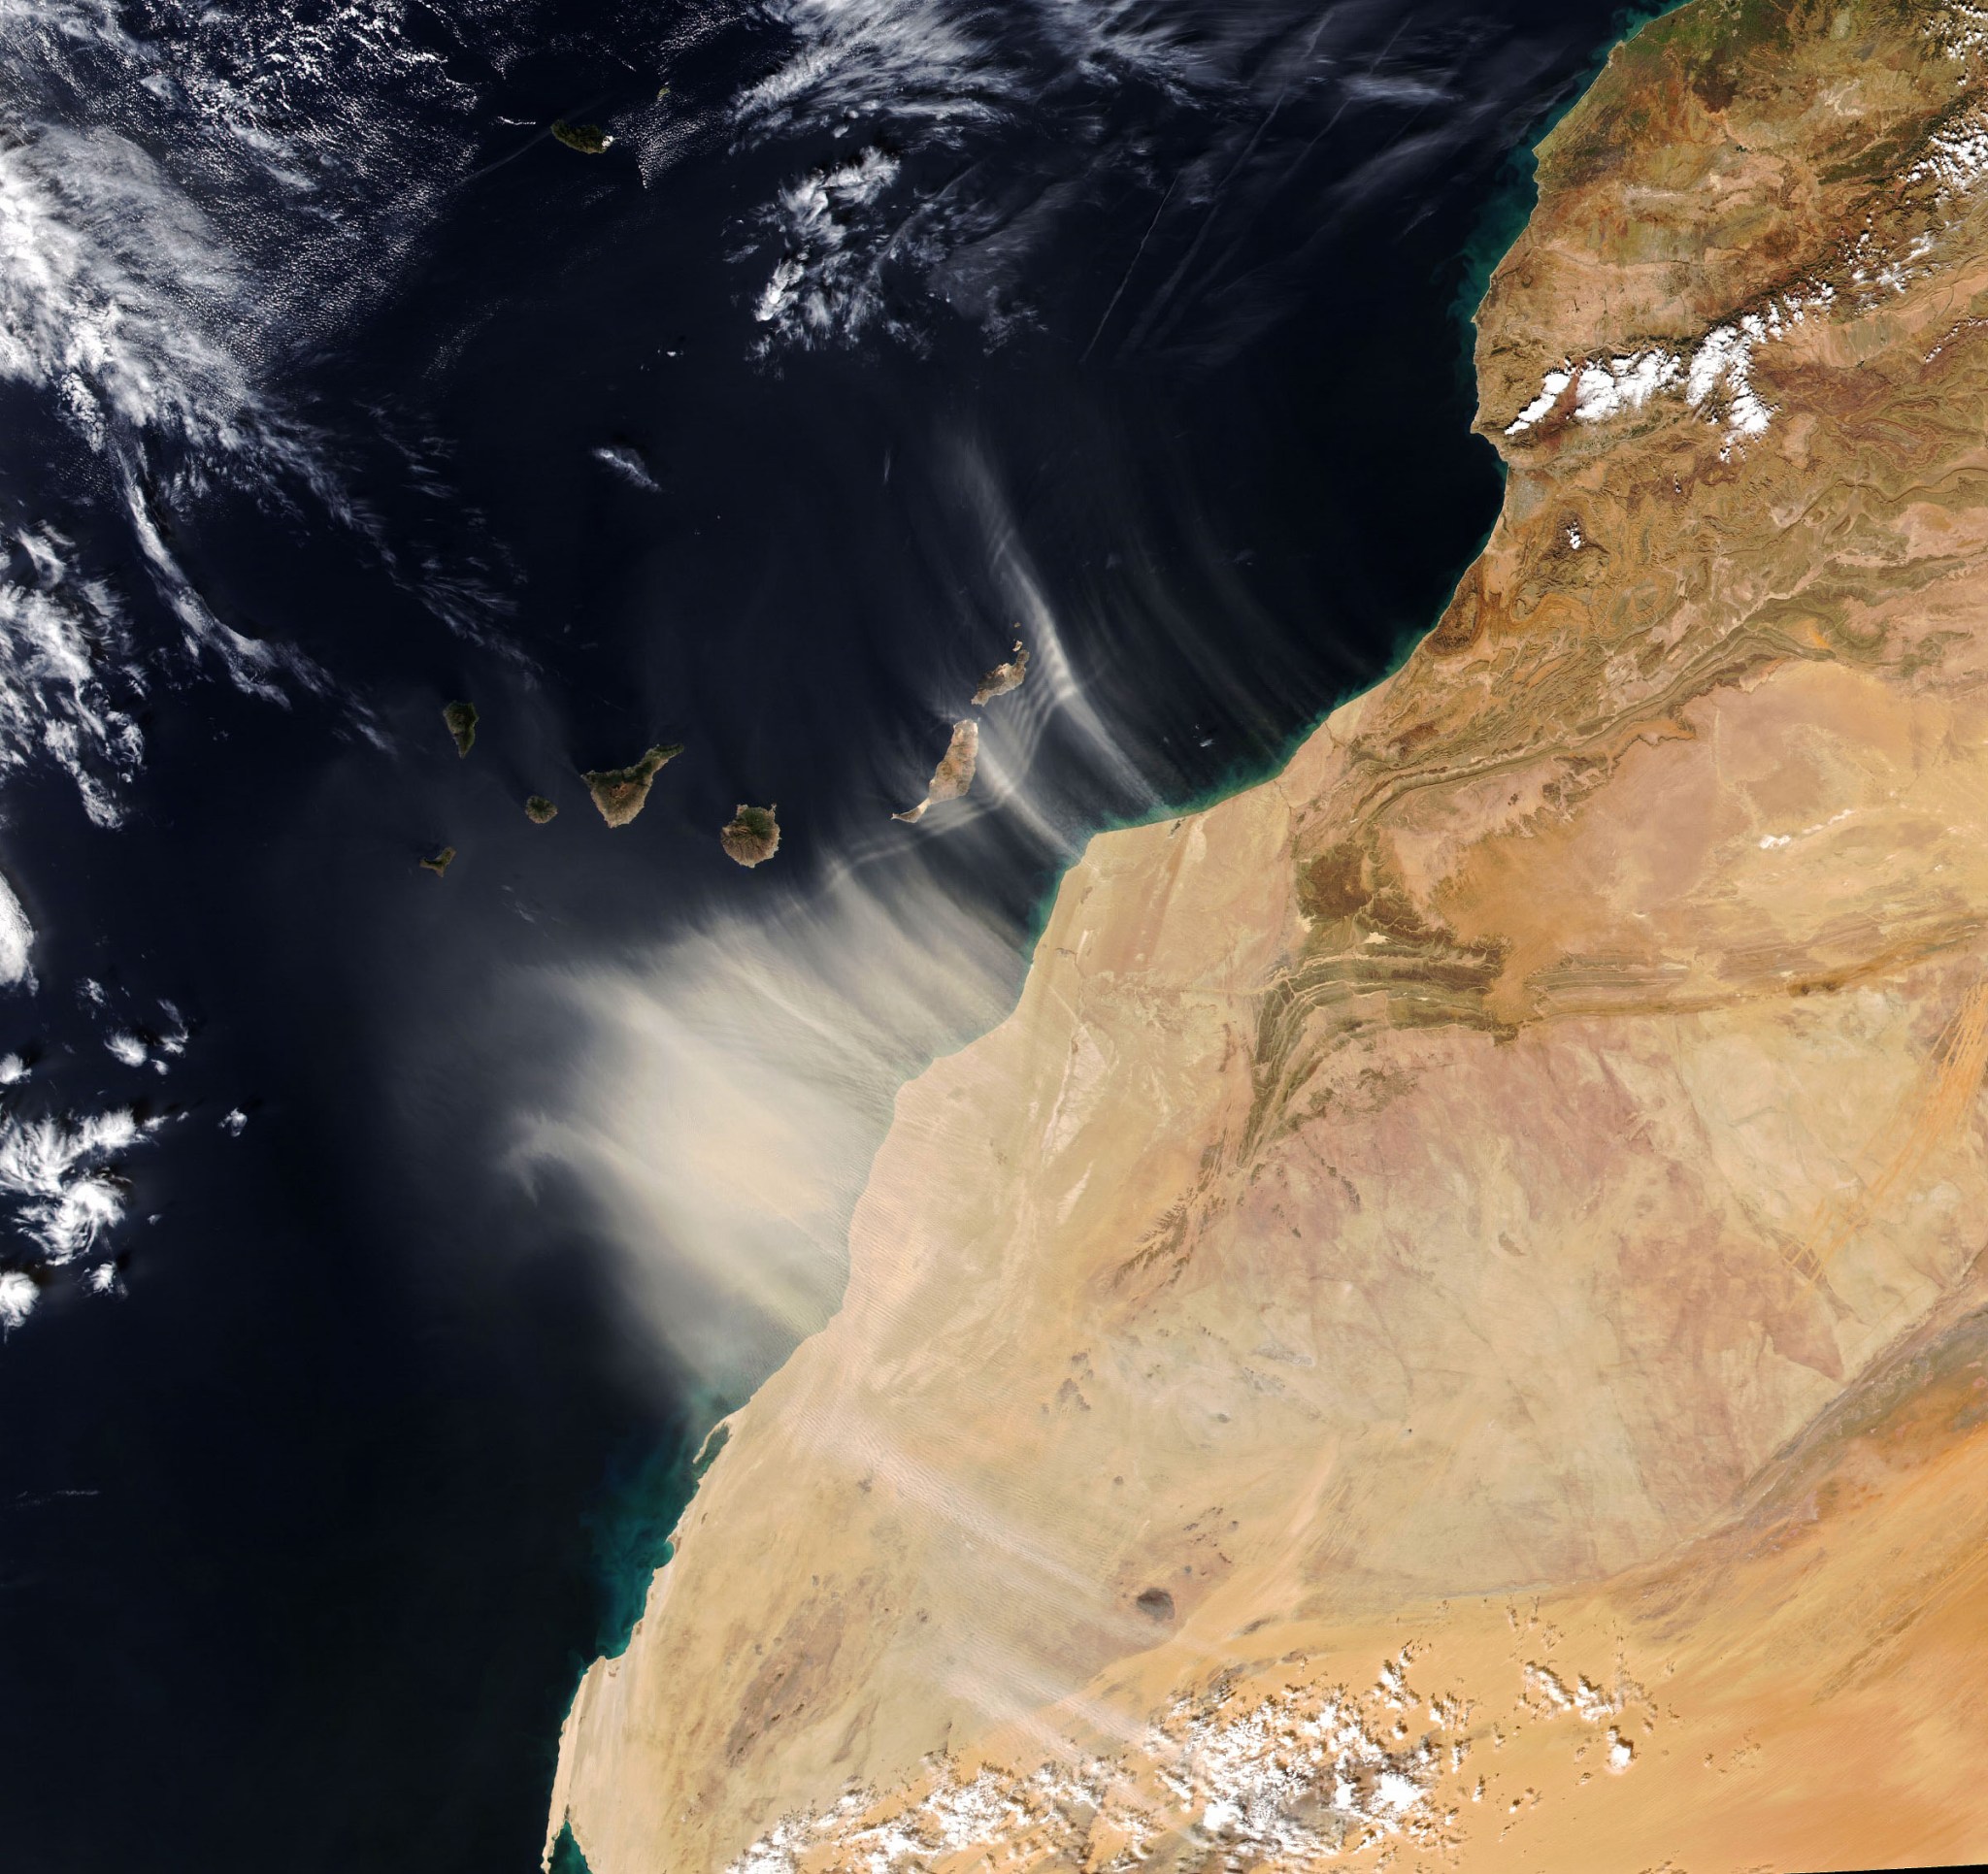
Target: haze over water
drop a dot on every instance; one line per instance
(377, 1241)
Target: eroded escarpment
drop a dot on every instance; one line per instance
(1449, 1314)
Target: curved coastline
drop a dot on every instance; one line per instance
(687, 1469)
(670, 1506)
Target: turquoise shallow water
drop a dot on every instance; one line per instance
(641, 1501)
(566, 1855)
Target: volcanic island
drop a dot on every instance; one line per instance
(1002, 677)
(460, 718)
(954, 774)
(752, 836)
(621, 792)
(1449, 1320)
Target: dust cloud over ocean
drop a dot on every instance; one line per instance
(370, 1235)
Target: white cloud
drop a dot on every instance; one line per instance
(56, 1181)
(627, 463)
(114, 289)
(915, 58)
(916, 77)
(127, 1047)
(826, 287)
(17, 1297)
(61, 641)
(158, 263)
(16, 937)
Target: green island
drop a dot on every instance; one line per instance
(461, 718)
(589, 139)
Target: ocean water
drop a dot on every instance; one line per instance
(382, 1247)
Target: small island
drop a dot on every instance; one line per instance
(461, 718)
(750, 836)
(538, 809)
(438, 864)
(589, 139)
(621, 792)
(1002, 677)
(954, 774)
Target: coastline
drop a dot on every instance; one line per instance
(1325, 734)
(626, 1523)
(1478, 259)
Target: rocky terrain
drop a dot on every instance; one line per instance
(953, 774)
(752, 836)
(1449, 1320)
(460, 719)
(1002, 677)
(621, 792)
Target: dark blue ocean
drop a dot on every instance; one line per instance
(378, 1246)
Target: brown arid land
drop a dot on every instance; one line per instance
(1449, 1326)
(621, 792)
(954, 774)
(752, 836)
